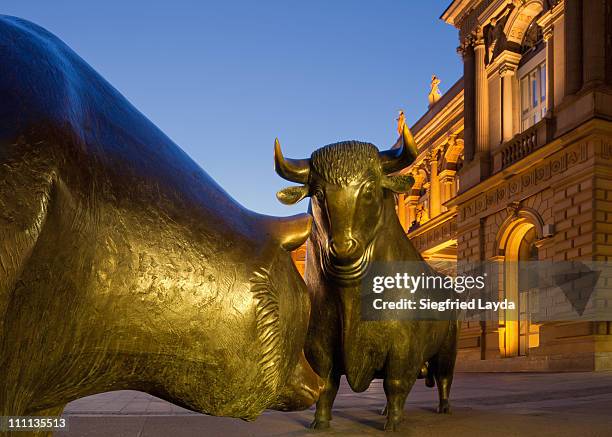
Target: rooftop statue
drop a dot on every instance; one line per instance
(401, 122)
(123, 265)
(434, 92)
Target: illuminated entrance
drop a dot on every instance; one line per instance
(517, 242)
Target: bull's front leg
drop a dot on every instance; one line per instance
(325, 403)
(444, 367)
(396, 391)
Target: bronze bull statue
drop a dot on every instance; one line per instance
(355, 224)
(123, 265)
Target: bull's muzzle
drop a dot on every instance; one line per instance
(301, 390)
(345, 252)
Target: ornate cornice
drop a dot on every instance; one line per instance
(457, 11)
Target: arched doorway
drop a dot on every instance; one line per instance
(517, 242)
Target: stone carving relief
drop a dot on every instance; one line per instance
(441, 233)
(494, 35)
(519, 184)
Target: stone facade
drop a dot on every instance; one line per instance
(515, 164)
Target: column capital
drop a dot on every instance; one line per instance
(506, 63)
(447, 176)
(465, 45)
(433, 155)
(424, 166)
(507, 70)
(478, 37)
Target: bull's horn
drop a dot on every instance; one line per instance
(292, 231)
(294, 170)
(401, 155)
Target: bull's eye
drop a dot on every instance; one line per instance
(367, 192)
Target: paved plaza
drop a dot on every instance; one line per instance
(561, 404)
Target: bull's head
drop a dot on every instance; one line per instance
(348, 183)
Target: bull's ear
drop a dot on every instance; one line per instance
(291, 195)
(401, 184)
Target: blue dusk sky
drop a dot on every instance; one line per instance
(224, 78)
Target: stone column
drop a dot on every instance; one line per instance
(507, 72)
(573, 46)
(447, 180)
(411, 205)
(550, 70)
(593, 42)
(434, 193)
(482, 98)
(469, 97)
(401, 210)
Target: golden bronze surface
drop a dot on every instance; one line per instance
(355, 225)
(123, 265)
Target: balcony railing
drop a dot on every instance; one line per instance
(519, 147)
(522, 145)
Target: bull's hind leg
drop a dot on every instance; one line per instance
(443, 366)
(424, 373)
(396, 391)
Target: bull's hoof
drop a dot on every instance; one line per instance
(444, 407)
(319, 424)
(430, 382)
(393, 424)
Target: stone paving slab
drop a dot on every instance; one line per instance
(561, 404)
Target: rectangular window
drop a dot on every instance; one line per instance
(543, 82)
(533, 96)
